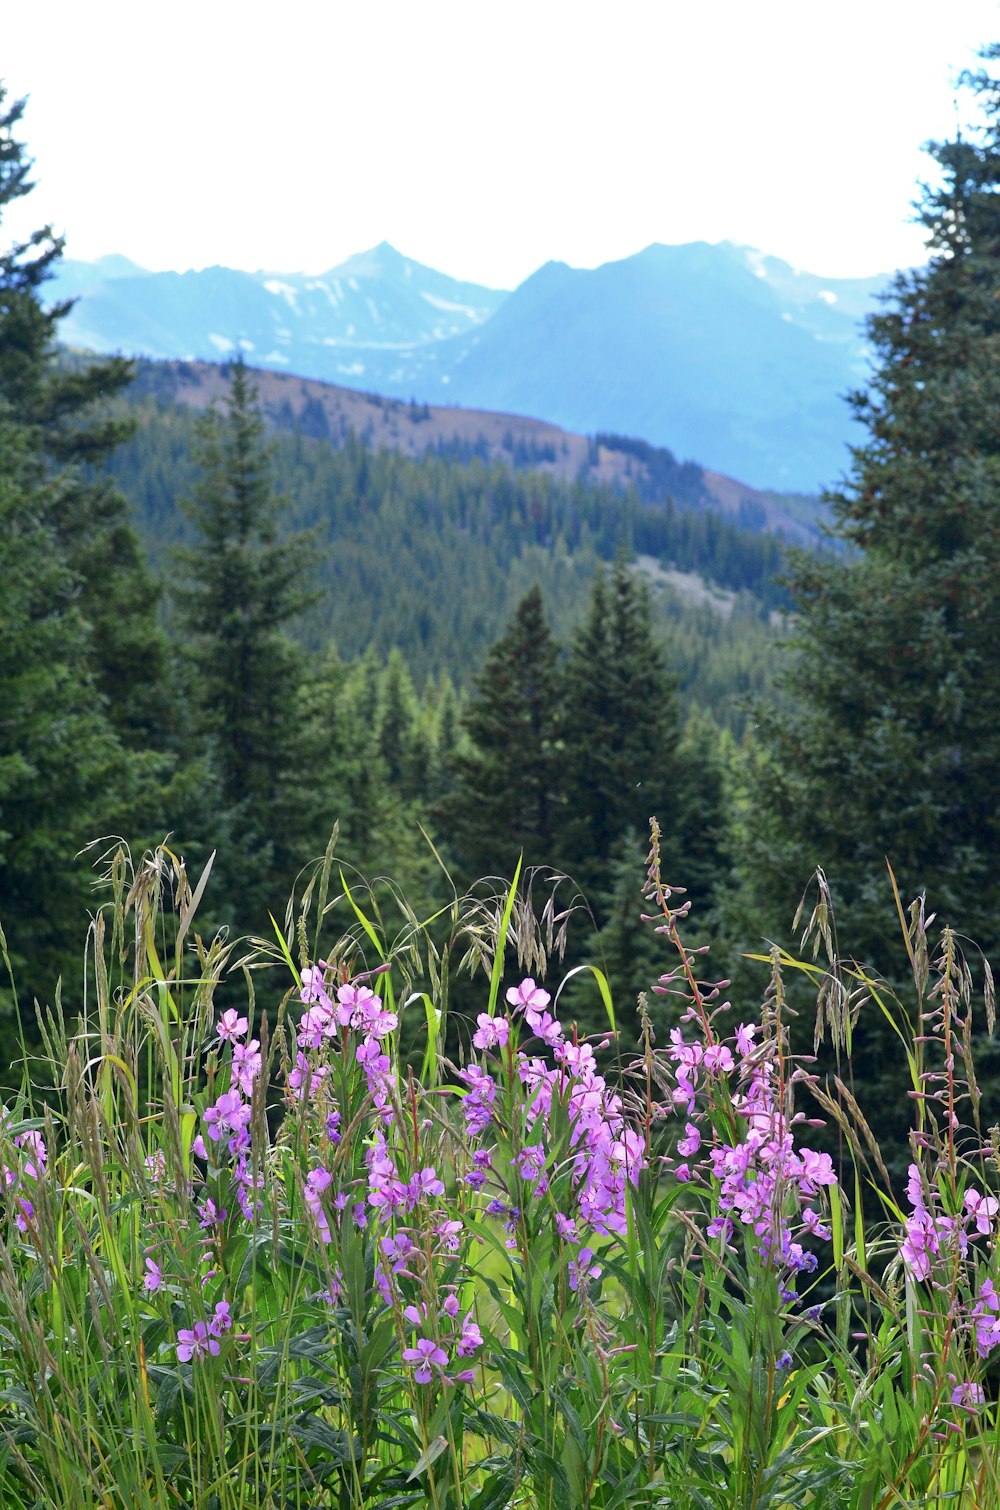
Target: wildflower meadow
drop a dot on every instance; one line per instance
(298, 1253)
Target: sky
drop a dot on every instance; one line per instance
(484, 139)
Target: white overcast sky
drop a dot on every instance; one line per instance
(484, 138)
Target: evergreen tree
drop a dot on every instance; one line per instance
(888, 742)
(505, 799)
(65, 778)
(62, 409)
(620, 727)
(239, 586)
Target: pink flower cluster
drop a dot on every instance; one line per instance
(18, 1181)
(761, 1180)
(202, 1340)
(428, 1355)
(605, 1152)
(355, 1010)
(227, 1121)
(933, 1240)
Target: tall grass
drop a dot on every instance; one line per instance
(257, 1258)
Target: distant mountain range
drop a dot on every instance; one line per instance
(718, 352)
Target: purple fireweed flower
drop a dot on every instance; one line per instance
(566, 1227)
(153, 1278)
(210, 1214)
(246, 1184)
(448, 1235)
(222, 1320)
(386, 1190)
(471, 1339)
(426, 1355)
(492, 1032)
(720, 1226)
(982, 1208)
(529, 999)
(967, 1395)
(313, 989)
(683, 1173)
(531, 1162)
(424, 1184)
(477, 1104)
(371, 1058)
(333, 1126)
(745, 1034)
(305, 1078)
(231, 1026)
(246, 1064)
(196, 1342)
(689, 1055)
(815, 1225)
(581, 1271)
(915, 1188)
(577, 1059)
(198, 1146)
(317, 1182)
(449, 1306)
(718, 1059)
(314, 1025)
(690, 1144)
(817, 1170)
(230, 1114)
(383, 1284)
(34, 1145)
(685, 1091)
(399, 1251)
(416, 1315)
(359, 1008)
(985, 1319)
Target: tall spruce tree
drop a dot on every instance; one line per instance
(505, 798)
(238, 586)
(620, 728)
(62, 409)
(65, 777)
(887, 743)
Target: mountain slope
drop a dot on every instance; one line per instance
(326, 411)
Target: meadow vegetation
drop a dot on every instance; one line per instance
(420, 1187)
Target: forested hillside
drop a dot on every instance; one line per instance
(432, 554)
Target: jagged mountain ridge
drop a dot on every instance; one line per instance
(717, 352)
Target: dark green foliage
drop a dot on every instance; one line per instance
(237, 587)
(620, 726)
(65, 778)
(81, 657)
(508, 794)
(888, 743)
(63, 409)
